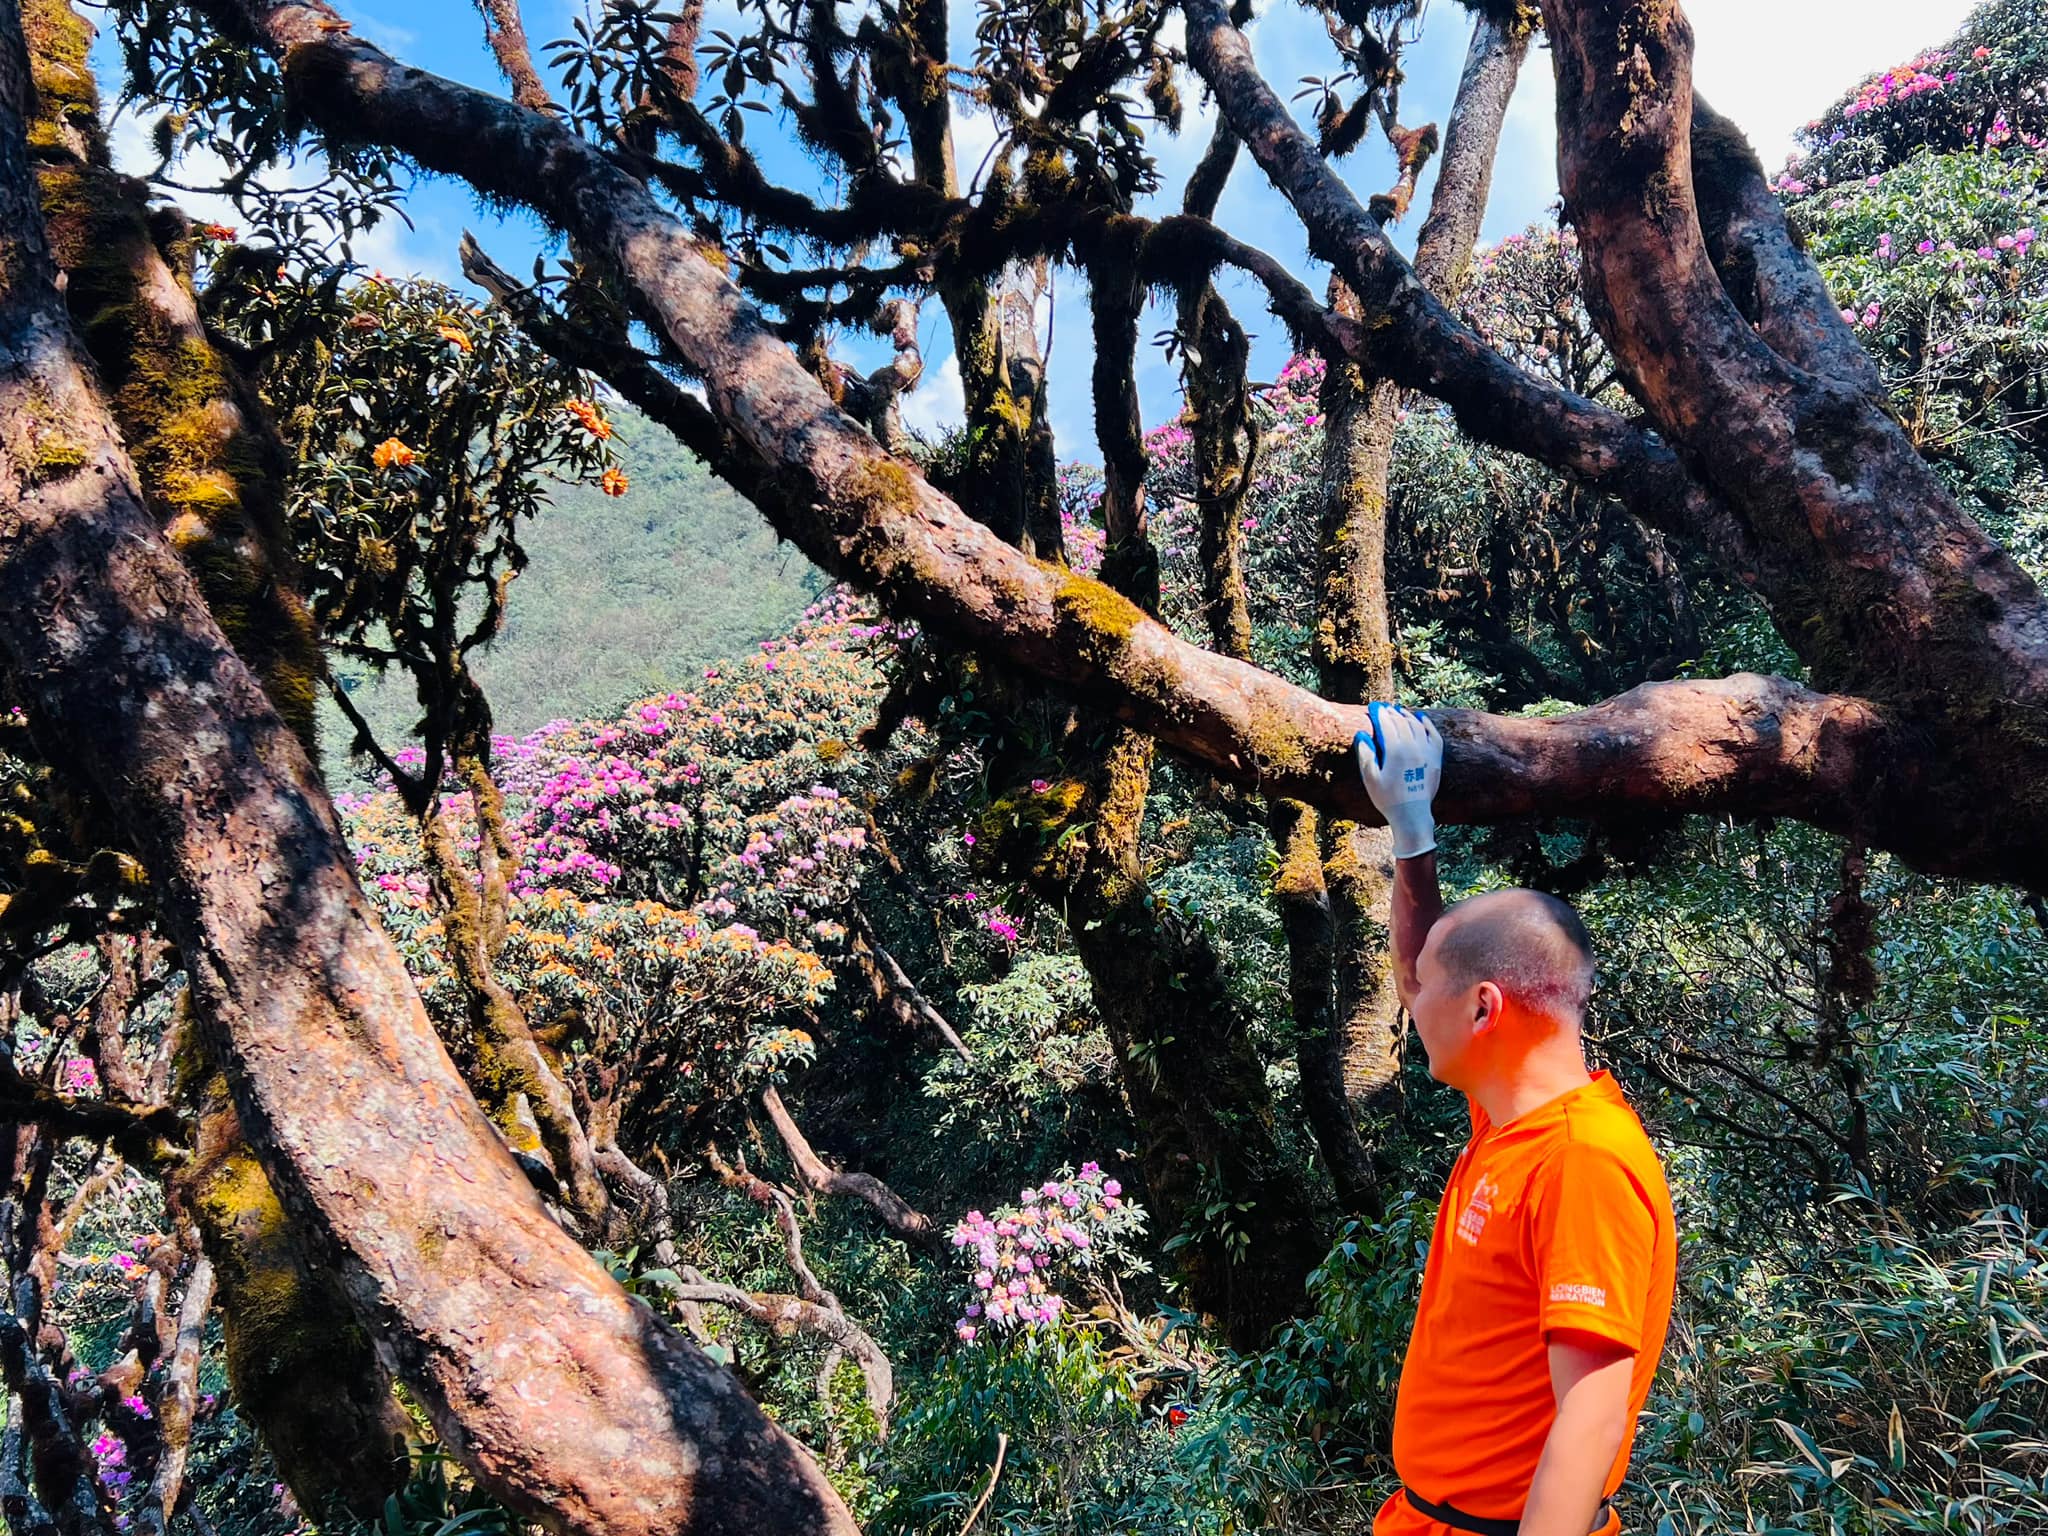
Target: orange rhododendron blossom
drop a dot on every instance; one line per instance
(587, 415)
(614, 482)
(217, 231)
(453, 334)
(391, 451)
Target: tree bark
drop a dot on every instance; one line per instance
(1872, 572)
(213, 470)
(301, 1366)
(546, 1378)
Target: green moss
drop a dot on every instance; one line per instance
(1277, 744)
(57, 457)
(1024, 830)
(882, 485)
(1104, 617)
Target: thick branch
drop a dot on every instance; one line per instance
(1415, 340)
(1876, 576)
(907, 1223)
(506, 33)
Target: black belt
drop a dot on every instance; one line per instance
(1480, 1525)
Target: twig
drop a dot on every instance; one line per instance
(910, 1002)
(994, 1472)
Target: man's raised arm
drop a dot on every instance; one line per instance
(1401, 760)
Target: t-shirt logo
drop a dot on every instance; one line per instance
(1472, 1220)
(1580, 1295)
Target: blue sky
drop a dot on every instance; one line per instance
(1770, 64)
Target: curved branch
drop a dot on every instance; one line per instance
(892, 984)
(788, 1315)
(1417, 342)
(817, 1174)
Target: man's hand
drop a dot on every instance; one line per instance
(1401, 760)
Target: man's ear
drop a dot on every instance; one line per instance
(1488, 1006)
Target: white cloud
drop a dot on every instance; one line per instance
(939, 403)
(390, 246)
(1773, 65)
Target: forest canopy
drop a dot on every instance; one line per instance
(603, 930)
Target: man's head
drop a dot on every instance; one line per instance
(1499, 974)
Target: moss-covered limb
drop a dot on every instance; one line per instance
(505, 31)
(210, 462)
(1309, 925)
(1353, 640)
(1876, 576)
(302, 1369)
(1009, 479)
(1115, 297)
(1358, 871)
(510, 1070)
(1493, 63)
(1415, 337)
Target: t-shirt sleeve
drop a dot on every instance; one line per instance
(1595, 1241)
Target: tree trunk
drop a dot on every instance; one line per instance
(302, 1368)
(212, 468)
(559, 1390)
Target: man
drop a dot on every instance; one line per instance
(1549, 1280)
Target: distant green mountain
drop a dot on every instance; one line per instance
(624, 596)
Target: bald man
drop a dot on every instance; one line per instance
(1548, 1286)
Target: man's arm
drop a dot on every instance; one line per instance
(1590, 1378)
(1418, 902)
(1401, 761)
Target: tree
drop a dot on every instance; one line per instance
(1768, 443)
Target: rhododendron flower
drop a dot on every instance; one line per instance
(454, 335)
(590, 419)
(613, 482)
(392, 453)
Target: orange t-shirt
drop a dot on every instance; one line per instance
(1558, 1219)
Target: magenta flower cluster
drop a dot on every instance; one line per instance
(1025, 1257)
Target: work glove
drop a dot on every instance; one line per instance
(1401, 760)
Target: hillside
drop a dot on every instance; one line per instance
(625, 595)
